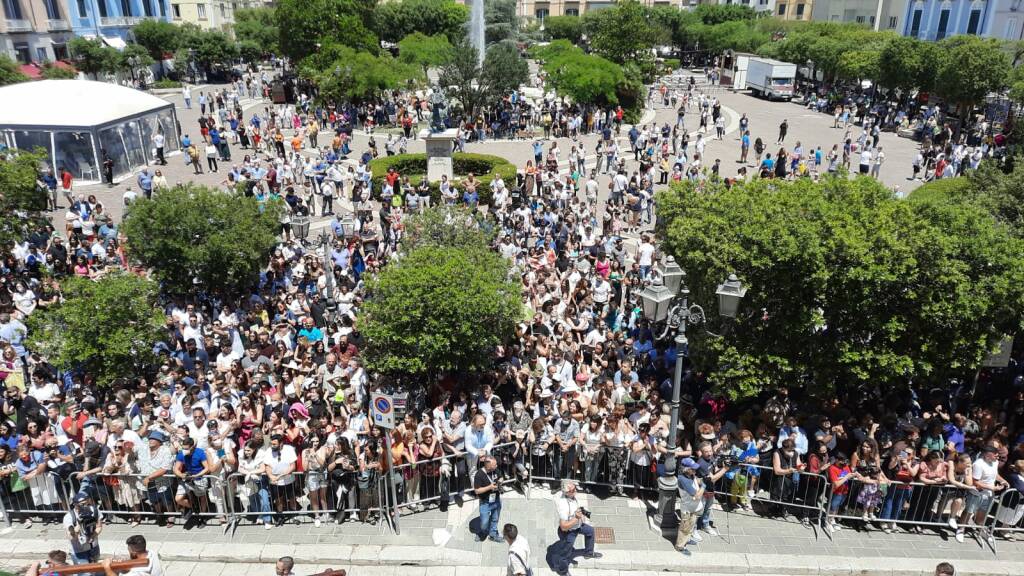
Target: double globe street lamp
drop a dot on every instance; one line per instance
(665, 302)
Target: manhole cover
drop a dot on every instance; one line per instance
(604, 535)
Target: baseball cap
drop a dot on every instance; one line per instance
(689, 463)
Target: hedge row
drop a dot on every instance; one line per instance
(483, 166)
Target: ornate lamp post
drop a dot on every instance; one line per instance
(666, 300)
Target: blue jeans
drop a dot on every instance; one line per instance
(489, 513)
(705, 515)
(86, 557)
(892, 507)
(259, 501)
(567, 545)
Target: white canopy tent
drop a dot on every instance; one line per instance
(79, 122)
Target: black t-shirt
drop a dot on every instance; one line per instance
(481, 479)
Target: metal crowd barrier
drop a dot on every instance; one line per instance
(609, 466)
(449, 477)
(43, 497)
(757, 488)
(1008, 513)
(903, 503)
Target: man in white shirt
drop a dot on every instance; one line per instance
(479, 441)
(279, 463)
(572, 521)
(645, 256)
(518, 552)
(137, 551)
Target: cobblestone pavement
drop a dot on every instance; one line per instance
(741, 534)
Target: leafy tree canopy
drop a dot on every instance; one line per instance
(439, 309)
(970, 68)
(343, 73)
(585, 78)
(193, 233)
(846, 283)
(107, 326)
(424, 51)
(395, 20)
(21, 199)
(302, 24)
(564, 28)
(158, 37)
(444, 227)
(257, 26)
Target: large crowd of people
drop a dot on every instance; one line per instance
(258, 407)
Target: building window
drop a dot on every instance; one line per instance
(126, 8)
(147, 8)
(572, 11)
(202, 11)
(223, 13)
(12, 8)
(60, 51)
(542, 13)
(52, 9)
(163, 8)
(41, 55)
(892, 22)
(974, 21)
(799, 10)
(782, 9)
(102, 5)
(1011, 28)
(83, 12)
(915, 24)
(176, 9)
(21, 53)
(943, 24)
(860, 19)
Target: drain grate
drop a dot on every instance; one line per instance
(604, 535)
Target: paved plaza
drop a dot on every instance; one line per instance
(810, 128)
(443, 541)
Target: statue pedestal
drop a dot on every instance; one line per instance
(439, 153)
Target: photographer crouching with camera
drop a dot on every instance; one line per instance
(83, 524)
(573, 520)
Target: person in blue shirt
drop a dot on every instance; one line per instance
(767, 166)
(191, 466)
(691, 500)
(145, 182)
(310, 331)
(538, 152)
(744, 147)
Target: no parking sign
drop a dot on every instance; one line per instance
(382, 408)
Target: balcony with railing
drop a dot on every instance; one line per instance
(19, 25)
(55, 25)
(113, 21)
(133, 20)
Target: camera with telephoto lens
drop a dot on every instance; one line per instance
(585, 512)
(727, 461)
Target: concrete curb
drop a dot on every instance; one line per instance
(710, 563)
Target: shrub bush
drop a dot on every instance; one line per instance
(483, 166)
(165, 83)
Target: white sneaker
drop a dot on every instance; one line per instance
(828, 527)
(959, 536)
(267, 526)
(952, 524)
(316, 522)
(696, 537)
(711, 530)
(750, 494)
(836, 527)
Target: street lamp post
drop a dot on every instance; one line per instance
(666, 300)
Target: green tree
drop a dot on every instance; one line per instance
(859, 65)
(395, 20)
(902, 63)
(504, 69)
(461, 78)
(9, 71)
(501, 21)
(108, 326)
(439, 309)
(21, 198)
(195, 237)
(969, 68)
(424, 51)
(92, 56)
(212, 48)
(564, 28)
(158, 37)
(712, 14)
(257, 27)
(302, 24)
(624, 33)
(132, 59)
(847, 284)
(586, 78)
(342, 73)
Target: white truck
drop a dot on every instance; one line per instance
(771, 78)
